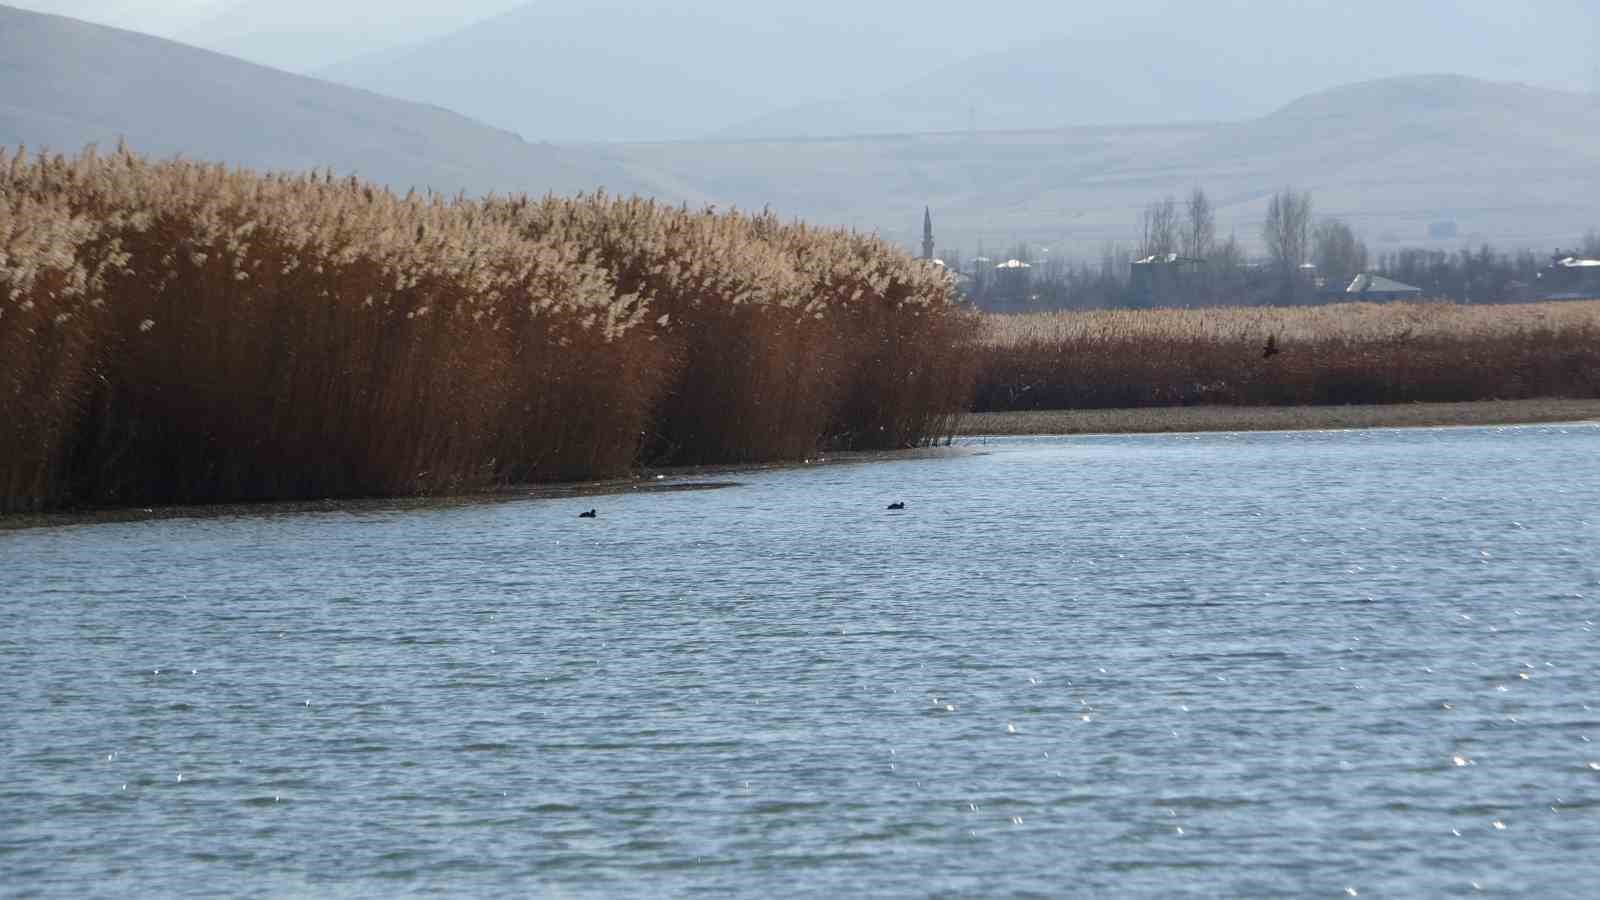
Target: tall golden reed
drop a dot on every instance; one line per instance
(777, 332)
(182, 332)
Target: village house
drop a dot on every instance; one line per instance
(1378, 289)
(1155, 278)
(1570, 278)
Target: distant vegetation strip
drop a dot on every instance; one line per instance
(179, 332)
(1193, 419)
(1353, 353)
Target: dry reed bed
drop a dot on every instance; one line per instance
(1339, 354)
(1192, 419)
(182, 332)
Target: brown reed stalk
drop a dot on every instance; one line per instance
(47, 304)
(765, 325)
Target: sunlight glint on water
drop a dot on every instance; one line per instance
(1215, 665)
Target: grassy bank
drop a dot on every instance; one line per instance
(1356, 353)
(183, 333)
(1184, 419)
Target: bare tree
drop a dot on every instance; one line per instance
(1287, 234)
(1114, 261)
(1160, 229)
(1199, 226)
(1338, 254)
(1591, 244)
(1225, 271)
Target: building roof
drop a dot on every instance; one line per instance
(1168, 258)
(1377, 284)
(1014, 264)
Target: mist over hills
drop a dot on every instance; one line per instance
(1507, 163)
(158, 17)
(295, 35)
(614, 70)
(1181, 67)
(608, 70)
(66, 83)
(306, 35)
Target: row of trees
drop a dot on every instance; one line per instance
(1186, 234)
(1189, 231)
(1308, 260)
(1189, 264)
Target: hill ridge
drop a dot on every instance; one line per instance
(1502, 170)
(88, 83)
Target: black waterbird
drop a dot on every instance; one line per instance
(591, 514)
(897, 506)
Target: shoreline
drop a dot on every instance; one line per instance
(668, 479)
(1191, 419)
(1039, 423)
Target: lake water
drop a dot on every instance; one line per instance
(1224, 665)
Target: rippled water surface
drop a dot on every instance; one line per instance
(1265, 665)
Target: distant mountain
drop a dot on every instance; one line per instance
(306, 35)
(1058, 83)
(1181, 66)
(66, 83)
(609, 70)
(1508, 163)
(158, 17)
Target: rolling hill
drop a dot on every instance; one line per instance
(1179, 65)
(306, 35)
(66, 83)
(1508, 163)
(609, 70)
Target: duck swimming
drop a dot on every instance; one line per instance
(897, 506)
(591, 514)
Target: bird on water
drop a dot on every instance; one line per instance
(897, 506)
(591, 514)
